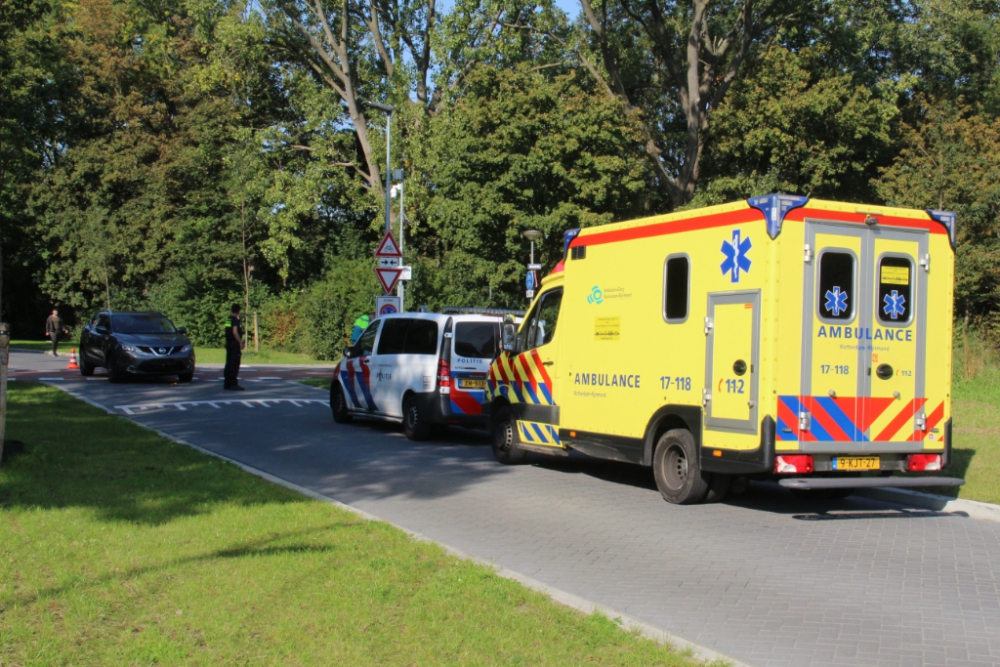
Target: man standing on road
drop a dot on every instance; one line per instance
(53, 327)
(234, 345)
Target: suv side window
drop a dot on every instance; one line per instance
(104, 321)
(366, 343)
(541, 326)
(393, 336)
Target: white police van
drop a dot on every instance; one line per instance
(422, 369)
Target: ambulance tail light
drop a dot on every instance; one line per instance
(790, 464)
(444, 376)
(923, 462)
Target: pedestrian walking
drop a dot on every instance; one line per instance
(234, 347)
(360, 325)
(54, 327)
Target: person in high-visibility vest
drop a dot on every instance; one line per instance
(234, 345)
(360, 325)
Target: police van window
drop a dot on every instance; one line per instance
(393, 336)
(367, 341)
(477, 340)
(836, 295)
(543, 321)
(676, 277)
(895, 290)
(421, 337)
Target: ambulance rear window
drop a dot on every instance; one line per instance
(477, 340)
(895, 290)
(836, 285)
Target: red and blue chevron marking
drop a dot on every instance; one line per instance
(848, 419)
(348, 376)
(466, 402)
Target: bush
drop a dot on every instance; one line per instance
(328, 308)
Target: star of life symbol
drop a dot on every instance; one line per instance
(836, 301)
(894, 304)
(736, 256)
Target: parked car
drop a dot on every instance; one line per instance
(421, 369)
(142, 344)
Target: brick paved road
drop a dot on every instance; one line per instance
(766, 578)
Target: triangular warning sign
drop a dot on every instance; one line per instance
(388, 278)
(388, 247)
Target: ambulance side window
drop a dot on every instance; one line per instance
(895, 290)
(836, 297)
(676, 288)
(542, 322)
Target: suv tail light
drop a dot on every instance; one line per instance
(921, 462)
(444, 376)
(794, 463)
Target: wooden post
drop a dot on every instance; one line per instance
(256, 337)
(4, 356)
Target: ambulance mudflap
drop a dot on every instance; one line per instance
(781, 338)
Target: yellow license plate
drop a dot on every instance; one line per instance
(849, 463)
(473, 384)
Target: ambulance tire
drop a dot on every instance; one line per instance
(718, 488)
(338, 404)
(415, 424)
(677, 469)
(505, 448)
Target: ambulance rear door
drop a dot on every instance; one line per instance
(862, 377)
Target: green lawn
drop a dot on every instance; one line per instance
(42, 345)
(118, 547)
(976, 438)
(322, 383)
(217, 355)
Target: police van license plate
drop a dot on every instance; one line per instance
(473, 384)
(850, 463)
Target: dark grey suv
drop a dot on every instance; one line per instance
(146, 344)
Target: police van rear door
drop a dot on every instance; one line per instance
(475, 344)
(864, 312)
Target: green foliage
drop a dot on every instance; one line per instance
(330, 305)
(951, 161)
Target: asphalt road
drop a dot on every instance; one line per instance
(764, 577)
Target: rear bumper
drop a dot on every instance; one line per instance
(866, 482)
(450, 413)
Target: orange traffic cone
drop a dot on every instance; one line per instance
(72, 360)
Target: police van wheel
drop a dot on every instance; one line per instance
(677, 469)
(338, 404)
(415, 424)
(505, 448)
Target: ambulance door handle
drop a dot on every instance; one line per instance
(547, 363)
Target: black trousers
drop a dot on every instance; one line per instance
(232, 370)
(55, 343)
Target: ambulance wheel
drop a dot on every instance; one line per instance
(338, 404)
(415, 424)
(505, 448)
(677, 469)
(718, 488)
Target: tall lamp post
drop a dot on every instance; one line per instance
(532, 235)
(388, 109)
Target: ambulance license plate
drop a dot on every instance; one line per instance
(473, 384)
(850, 463)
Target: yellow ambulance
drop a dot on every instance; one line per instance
(777, 337)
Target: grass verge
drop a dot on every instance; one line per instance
(322, 383)
(217, 355)
(120, 547)
(41, 345)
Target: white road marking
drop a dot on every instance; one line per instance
(184, 405)
(53, 379)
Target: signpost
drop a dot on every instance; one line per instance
(531, 281)
(388, 258)
(386, 305)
